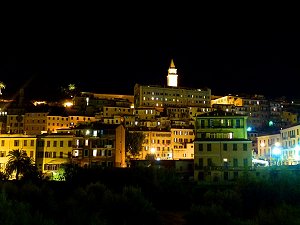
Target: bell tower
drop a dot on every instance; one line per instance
(172, 78)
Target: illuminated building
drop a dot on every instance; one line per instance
(174, 143)
(97, 144)
(172, 95)
(52, 151)
(9, 142)
(265, 144)
(182, 142)
(87, 145)
(222, 149)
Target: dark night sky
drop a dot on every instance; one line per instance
(227, 53)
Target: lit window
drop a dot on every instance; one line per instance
(76, 153)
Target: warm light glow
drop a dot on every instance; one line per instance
(68, 104)
(95, 133)
(95, 152)
(172, 76)
(39, 103)
(76, 153)
(152, 150)
(262, 144)
(172, 80)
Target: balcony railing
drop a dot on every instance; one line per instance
(224, 168)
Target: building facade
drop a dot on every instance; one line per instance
(222, 149)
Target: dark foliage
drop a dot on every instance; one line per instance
(145, 196)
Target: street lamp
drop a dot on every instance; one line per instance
(152, 150)
(276, 151)
(152, 153)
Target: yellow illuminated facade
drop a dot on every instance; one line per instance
(9, 142)
(182, 143)
(53, 150)
(36, 122)
(162, 144)
(222, 149)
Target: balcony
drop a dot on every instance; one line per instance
(224, 168)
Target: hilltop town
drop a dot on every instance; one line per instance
(205, 137)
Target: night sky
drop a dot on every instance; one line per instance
(230, 55)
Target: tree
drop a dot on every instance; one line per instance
(133, 142)
(70, 91)
(19, 161)
(3, 176)
(2, 86)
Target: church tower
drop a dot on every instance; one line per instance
(172, 78)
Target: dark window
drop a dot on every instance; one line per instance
(209, 162)
(200, 147)
(245, 162)
(200, 176)
(234, 147)
(235, 162)
(200, 163)
(208, 147)
(238, 123)
(235, 174)
(225, 175)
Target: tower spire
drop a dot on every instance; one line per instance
(172, 65)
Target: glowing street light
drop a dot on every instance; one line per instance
(152, 150)
(276, 151)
